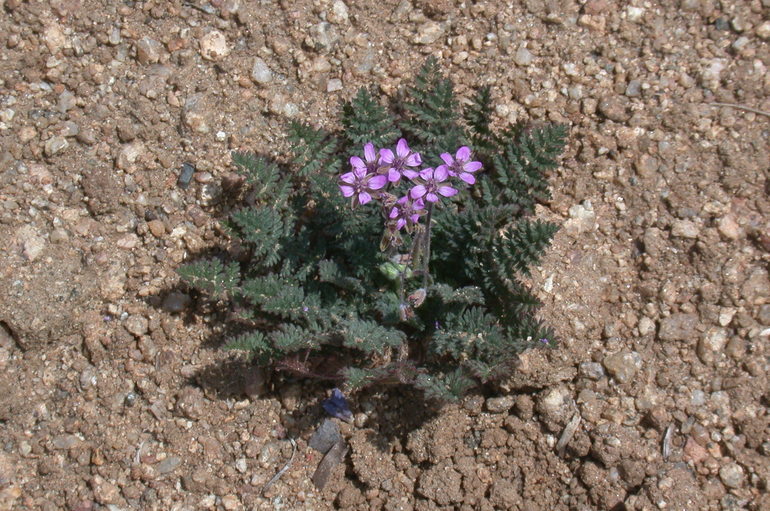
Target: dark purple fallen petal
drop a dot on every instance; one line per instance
(337, 406)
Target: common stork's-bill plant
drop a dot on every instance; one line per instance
(393, 250)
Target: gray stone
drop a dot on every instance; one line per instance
(678, 327)
(523, 57)
(429, 32)
(685, 229)
(591, 370)
(168, 465)
(325, 436)
(55, 145)
(623, 365)
(615, 108)
(261, 72)
(732, 475)
(137, 325)
(500, 404)
(175, 302)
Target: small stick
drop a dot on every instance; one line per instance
(742, 107)
(667, 441)
(568, 433)
(283, 470)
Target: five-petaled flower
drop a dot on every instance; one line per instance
(398, 163)
(407, 212)
(461, 166)
(360, 183)
(435, 185)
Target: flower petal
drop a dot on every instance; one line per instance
(414, 218)
(393, 175)
(418, 205)
(364, 197)
(417, 191)
(347, 191)
(400, 223)
(447, 158)
(468, 178)
(472, 166)
(369, 153)
(403, 200)
(377, 182)
(413, 160)
(402, 148)
(386, 156)
(348, 178)
(464, 153)
(357, 162)
(441, 173)
(410, 174)
(393, 213)
(431, 197)
(427, 174)
(447, 191)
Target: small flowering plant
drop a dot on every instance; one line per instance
(393, 251)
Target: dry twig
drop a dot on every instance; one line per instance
(742, 107)
(284, 469)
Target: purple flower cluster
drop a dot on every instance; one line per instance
(371, 176)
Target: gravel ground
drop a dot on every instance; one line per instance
(113, 394)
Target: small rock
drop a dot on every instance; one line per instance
(592, 370)
(325, 437)
(230, 502)
(54, 37)
(157, 228)
(323, 37)
(429, 32)
(339, 12)
(711, 345)
(764, 314)
(334, 85)
(33, 243)
(523, 57)
(196, 111)
(148, 50)
(213, 46)
(261, 72)
(634, 14)
(128, 155)
(646, 326)
(554, 407)
(732, 475)
(176, 302)
(678, 327)
(168, 465)
(65, 442)
(685, 229)
(594, 7)
(190, 403)
(582, 218)
(185, 176)
(105, 492)
(66, 101)
(623, 365)
(500, 404)
(137, 325)
(634, 89)
(763, 31)
(55, 145)
(614, 108)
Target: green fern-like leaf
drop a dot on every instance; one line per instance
(313, 149)
(365, 120)
(370, 337)
(520, 246)
(265, 178)
(264, 228)
(212, 277)
(448, 387)
(478, 116)
(433, 113)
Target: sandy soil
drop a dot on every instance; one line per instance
(113, 392)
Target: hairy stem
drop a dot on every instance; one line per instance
(426, 247)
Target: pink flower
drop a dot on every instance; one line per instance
(407, 212)
(361, 184)
(399, 162)
(461, 166)
(434, 185)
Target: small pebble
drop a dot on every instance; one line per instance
(732, 475)
(623, 365)
(168, 465)
(213, 46)
(261, 72)
(55, 145)
(500, 404)
(185, 176)
(137, 325)
(523, 57)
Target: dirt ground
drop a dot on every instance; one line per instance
(113, 392)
